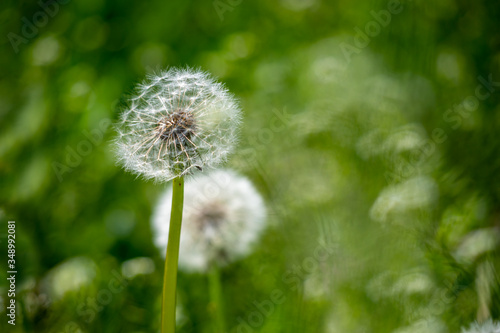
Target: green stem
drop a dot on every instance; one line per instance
(217, 305)
(172, 258)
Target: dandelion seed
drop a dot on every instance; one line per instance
(488, 326)
(180, 121)
(223, 217)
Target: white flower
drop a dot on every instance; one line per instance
(179, 121)
(488, 326)
(223, 217)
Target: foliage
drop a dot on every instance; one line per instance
(375, 150)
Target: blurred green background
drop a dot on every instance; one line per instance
(370, 128)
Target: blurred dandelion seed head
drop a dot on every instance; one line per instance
(399, 285)
(71, 275)
(430, 324)
(223, 217)
(477, 243)
(137, 266)
(415, 193)
(179, 121)
(488, 326)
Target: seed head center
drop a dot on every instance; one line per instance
(177, 127)
(212, 216)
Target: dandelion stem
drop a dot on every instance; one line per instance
(172, 258)
(217, 305)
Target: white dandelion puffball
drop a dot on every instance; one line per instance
(488, 326)
(180, 120)
(223, 217)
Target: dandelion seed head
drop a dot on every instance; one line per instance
(488, 326)
(223, 217)
(178, 121)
